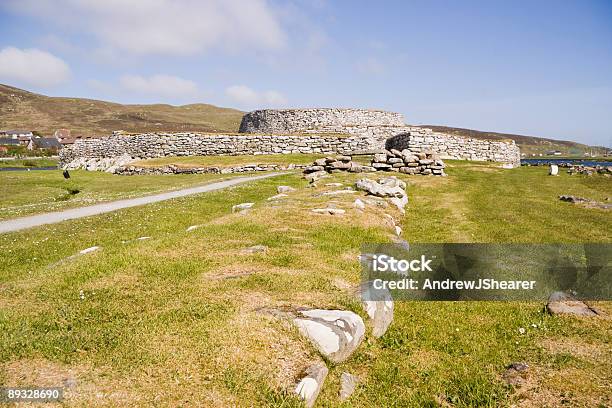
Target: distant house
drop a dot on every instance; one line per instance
(16, 134)
(70, 140)
(8, 141)
(62, 134)
(49, 143)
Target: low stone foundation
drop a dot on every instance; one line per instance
(136, 170)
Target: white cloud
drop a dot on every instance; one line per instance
(371, 66)
(167, 86)
(32, 67)
(168, 27)
(246, 97)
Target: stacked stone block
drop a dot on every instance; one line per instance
(408, 162)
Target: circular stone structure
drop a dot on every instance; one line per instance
(278, 121)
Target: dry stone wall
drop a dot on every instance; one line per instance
(152, 145)
(454, 147)
(324, 131)
(380, 130)
(315, 120)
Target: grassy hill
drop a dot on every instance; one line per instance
(528, 144)
(21, 109)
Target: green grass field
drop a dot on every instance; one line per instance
(29, 163)
(26, 193)
(177, 319)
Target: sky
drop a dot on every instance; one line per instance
(541, 68)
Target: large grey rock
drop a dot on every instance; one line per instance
(314, 176)
(380, 189)
(380, 157)
(339, 165)
(381, 166)
(399, 202)
(359, 205)
(348, 383)
(313, 169)
(379, 306)
(335, 333)
(390, 187)
(310, 385)
(565, 303)
(392, 182)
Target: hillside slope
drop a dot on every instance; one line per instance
(528, 144)
(21, 109)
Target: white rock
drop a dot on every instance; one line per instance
(88, 250)
(335, 333)
(379, 306)
(358, 204)
(241, 207)
(191, 228)
(277, 196)
(309, 387)
(348, 383)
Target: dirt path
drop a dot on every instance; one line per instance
(18, 224)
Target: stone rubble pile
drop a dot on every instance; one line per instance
(405, 162)
(337, 164)
(391, 188)
(408, 162)
(107, 164)
(585, 202)
(589, 171)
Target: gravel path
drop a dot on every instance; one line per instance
(59, 216)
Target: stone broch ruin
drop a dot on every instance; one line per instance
(325, 131)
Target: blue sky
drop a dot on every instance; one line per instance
(540, 68)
